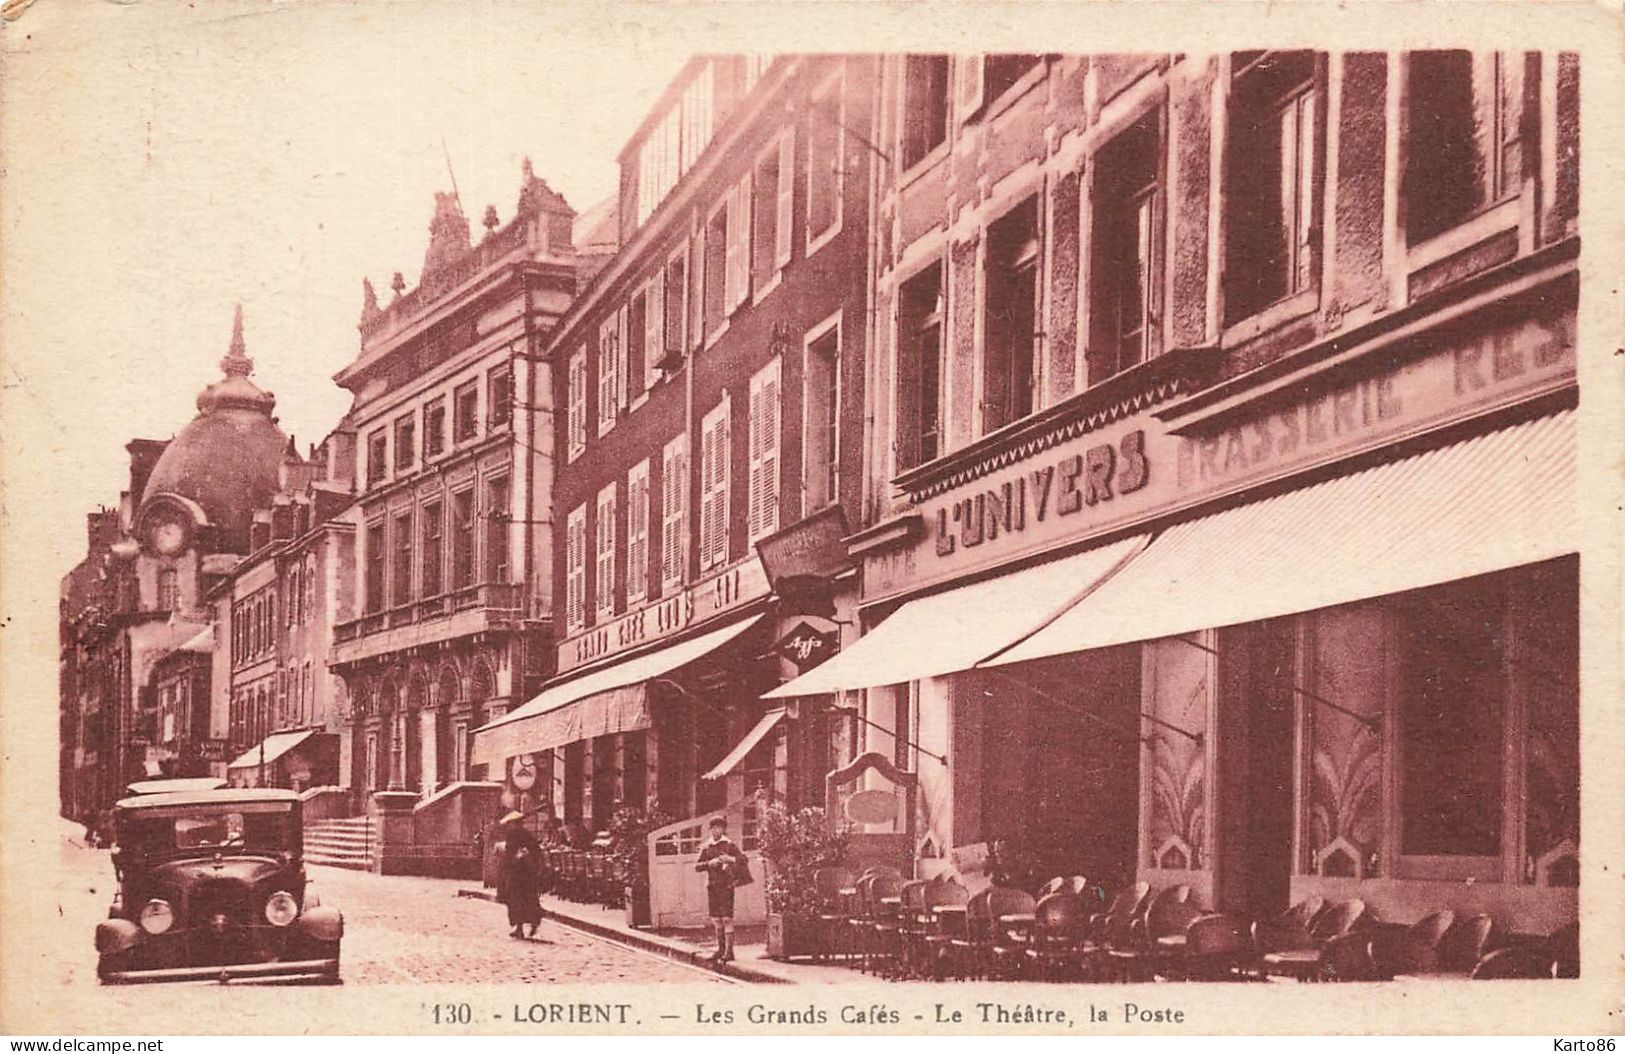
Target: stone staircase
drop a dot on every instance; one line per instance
(346, 842)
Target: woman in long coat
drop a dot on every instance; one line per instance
(519, 876)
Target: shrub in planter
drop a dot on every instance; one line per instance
(629, 830)
(795, 845)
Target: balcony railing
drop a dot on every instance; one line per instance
(502, 600)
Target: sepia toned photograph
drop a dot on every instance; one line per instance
(1053, 534)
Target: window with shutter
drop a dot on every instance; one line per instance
(826, 159)
(609, 372)
(575, 568)
(786, 197)
(604, 567)
(738, 279)
(763, 513)
(673, 509)
(637, 532)
(714, 487)
(578, 403)
(635, 341)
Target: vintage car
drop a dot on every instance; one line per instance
(211, 886)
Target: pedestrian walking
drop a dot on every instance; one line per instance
(519, 876)
(725, 869)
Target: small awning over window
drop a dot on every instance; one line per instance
(613, 699)
(954, 630)
(1492, 502)
(769, 721)
(202, 642)
(270, 748)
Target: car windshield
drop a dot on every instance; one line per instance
(172, 830)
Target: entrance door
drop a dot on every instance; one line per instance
(1260, 661)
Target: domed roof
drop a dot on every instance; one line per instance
(227, 459)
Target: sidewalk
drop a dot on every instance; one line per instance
(689, 946)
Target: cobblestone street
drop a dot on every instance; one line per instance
(398, 930)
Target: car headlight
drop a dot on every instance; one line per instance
(281, 909)
(157, 916)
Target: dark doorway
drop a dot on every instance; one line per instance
(1258, 866)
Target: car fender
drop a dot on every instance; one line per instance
(116, 935)
(321, 923)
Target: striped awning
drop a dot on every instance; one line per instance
(741, 751)
(953, 630)
(1492, 502)
(605, 701)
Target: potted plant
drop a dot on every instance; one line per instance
(629, 831)
(795, 845)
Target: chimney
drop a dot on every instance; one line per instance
(144, 455)
(259, 533)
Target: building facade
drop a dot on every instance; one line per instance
(1218, 513)
(710, 389)
(453, 468)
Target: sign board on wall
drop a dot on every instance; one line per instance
(1115, 477)
(724, 591)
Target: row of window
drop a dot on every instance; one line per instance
(286, 701)
(740, 253)
(465, 425)
(408, 556)
(253, 626)
(647, 571)
(299, 586)
(1467, 117)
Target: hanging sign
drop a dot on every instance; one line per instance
(806, 646)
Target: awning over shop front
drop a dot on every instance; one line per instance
(954, 630)
(769, 721)
(1489, 503)
(613, 699)
(270, 748)
(202, 642)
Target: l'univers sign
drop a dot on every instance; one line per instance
(1113, 478)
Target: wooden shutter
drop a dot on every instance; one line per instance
(654, 328)
(604, 567)
(714, 487)
(673, 507)
(575, 572)
(578, 402)
(696, 291)
(736, 282)
(637, 532)
(969, 96)
(609, 363)
(762, 516)
(786, 202)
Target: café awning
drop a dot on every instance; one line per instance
(1492, 502)
(767, 724)
(270, 748)
(605, 701)
(954, 630)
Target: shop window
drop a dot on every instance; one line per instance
(821, 433)
(716, 264)
(1452, 684)
(575, 568)
(637, 532)
(604, 551)
(714, 475)
(1010, 332)
(610, 355)
(500, 395)
(919, 368)
(466, 411)
(434, 428)
(675, 305)
(826, 158)
(496, 530)
(674, 513)
(1126, 265)
(403, 558)
(377, 450)
(925, 106)
(762, 515)
(169, 589)
(773, 185)
(375, 567)
(1465, 117)
(433, 548)
(577, 413)
(462, 543)
(1271, 212)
